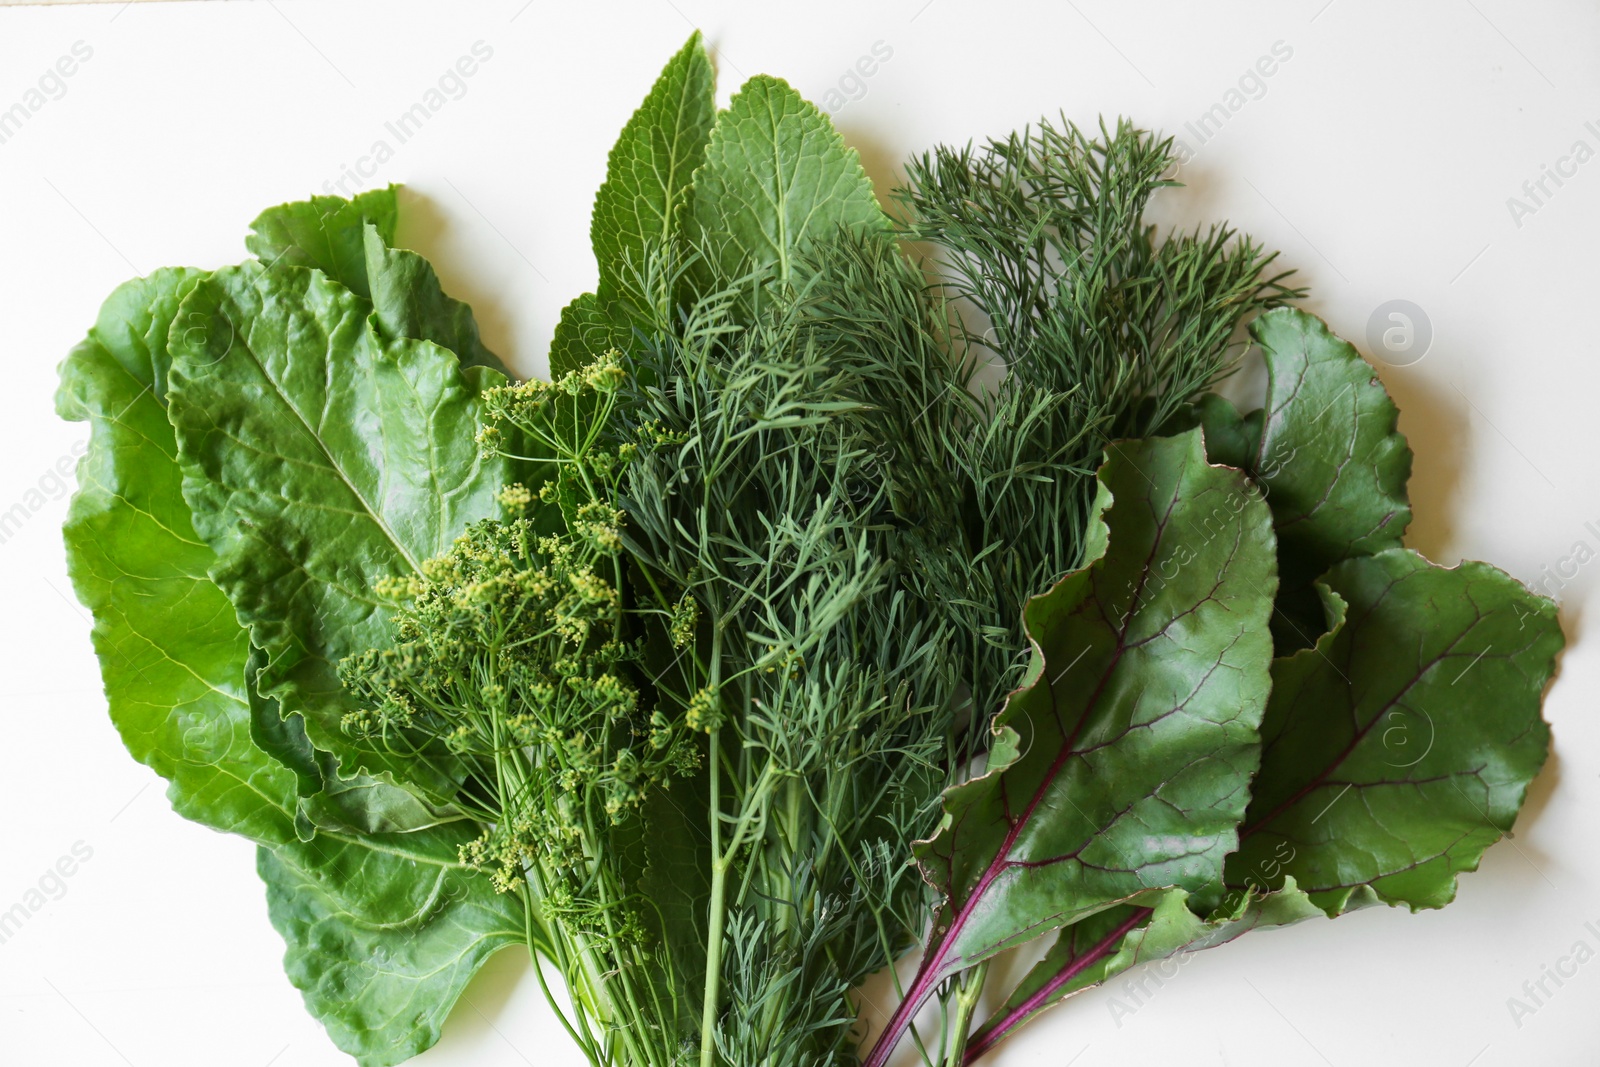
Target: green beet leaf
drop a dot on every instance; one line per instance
(383, 989)
(1326, 453)
(171, 652)
(408, 301)
(318, 458)
(327, 233)
(1394, 753)
(176, 662)
(1401, 746)
(1122, 764)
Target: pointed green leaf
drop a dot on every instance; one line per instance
(384, 989)
(319, 458)
(777, 177)
(1121, 765)
(1402, 745)
(326, 232)
(649, 172)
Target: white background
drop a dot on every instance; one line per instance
(1379, 159)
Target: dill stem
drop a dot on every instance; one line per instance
(719, 881)
(544, 987)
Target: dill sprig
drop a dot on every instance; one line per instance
(766, 503)
(513, 650)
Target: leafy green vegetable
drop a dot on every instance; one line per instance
(314, 463)
(638, 212)
(1326, 453)
(648, 178)
(177, 665)
(777, 175)
(172, 655)
(667, 669)
(1362, 798)
(1401, 746)
(408, 302)
(1116, 768)
(383, 988)
(326, 233)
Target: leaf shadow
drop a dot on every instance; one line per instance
(425, 228)
(1436, 429)
(470, 1029)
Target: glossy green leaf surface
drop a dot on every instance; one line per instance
(1402, 745)
(777, 175)
(1394, 753)
(1326, 453)
(1118, 767)
(318, 458)
(408, 301)
(584, 333)
(327, 233)
(171, 653)
(383, 989)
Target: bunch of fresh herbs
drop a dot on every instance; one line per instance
(824, 601)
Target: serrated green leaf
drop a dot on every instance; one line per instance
(384, 989)
(583, 334)
(318, 458)
(327, 233)
(1120, 766)
(1400, 746)
(648, 175)
(777, 177)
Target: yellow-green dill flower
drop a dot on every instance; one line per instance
(514, 497)
(704, 712)
(685, 613)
